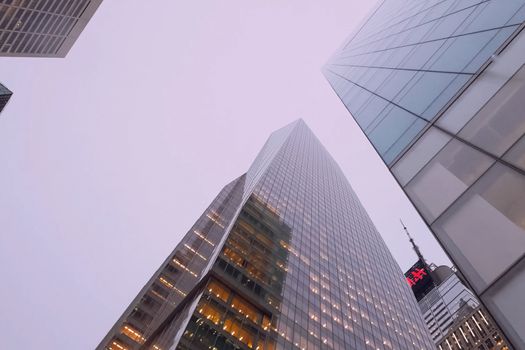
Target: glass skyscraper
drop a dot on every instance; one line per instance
(442, 305)
(5, 95)
(42, 28)
(438, 89)
(285, 257)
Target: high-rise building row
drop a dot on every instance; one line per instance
(285, 257)
(5, 95)
(438, 87)
(42, 28)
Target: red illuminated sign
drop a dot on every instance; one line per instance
(415, 276)
(419, 279)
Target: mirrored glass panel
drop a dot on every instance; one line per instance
(506, 300)
(490, 215)
(394, 131)
(419, 155)
(501, 122)
(516, 154)
(446, 177)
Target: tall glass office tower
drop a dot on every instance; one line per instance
(438, 88)
(42, 28)
(284, 258)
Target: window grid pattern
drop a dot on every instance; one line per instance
(437, 87)
(334, 295)
(327, 288)
(474, 330)
(178, 275)
(441, 306)
(411, 58)
(37, 27)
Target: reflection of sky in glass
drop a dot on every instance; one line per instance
(410, 58)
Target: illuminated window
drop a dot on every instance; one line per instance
(235, 329)
(219, 290)
(171, 285)
(178, 263)
(132, 333)
(213, 216)
(266, 323)
(116, 345)
(211, 313)
(245, 309)
(194, 251)
(233, 256)
(203, 238)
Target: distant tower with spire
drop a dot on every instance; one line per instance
(414, 245)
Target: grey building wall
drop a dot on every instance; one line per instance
(438, 88)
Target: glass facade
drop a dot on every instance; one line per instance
(296, 263)
(411, 57)
(5, 95)
(46, 28)
(438, 88)
(473, 330)
(442, 306)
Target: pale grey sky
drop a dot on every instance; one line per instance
(109, 155)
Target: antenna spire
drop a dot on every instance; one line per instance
(414, 245)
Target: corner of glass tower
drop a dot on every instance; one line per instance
(438, 88)
(284, 258)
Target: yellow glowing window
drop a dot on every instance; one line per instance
(219, 291)
(213, 216)
(181, 265)
(245, 309)
(235, 329)
(266, 323)
(253, 271)
(199, 234)
(211, 313)
(169, 284)
(233, 256)
(191, 249)
(246, 337)
(117, 346)
(165, 282)
(132, 333)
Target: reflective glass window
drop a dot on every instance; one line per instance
(505, 300)
(457, 52)
(490, 215)
(501, 122)
(423, 90)
(446, 177)
(419, 154)
(516, 154)
(396, 129)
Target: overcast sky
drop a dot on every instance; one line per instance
(109, 155)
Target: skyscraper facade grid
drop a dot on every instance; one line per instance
(438, 88)
(42, 28)
(285, 258)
